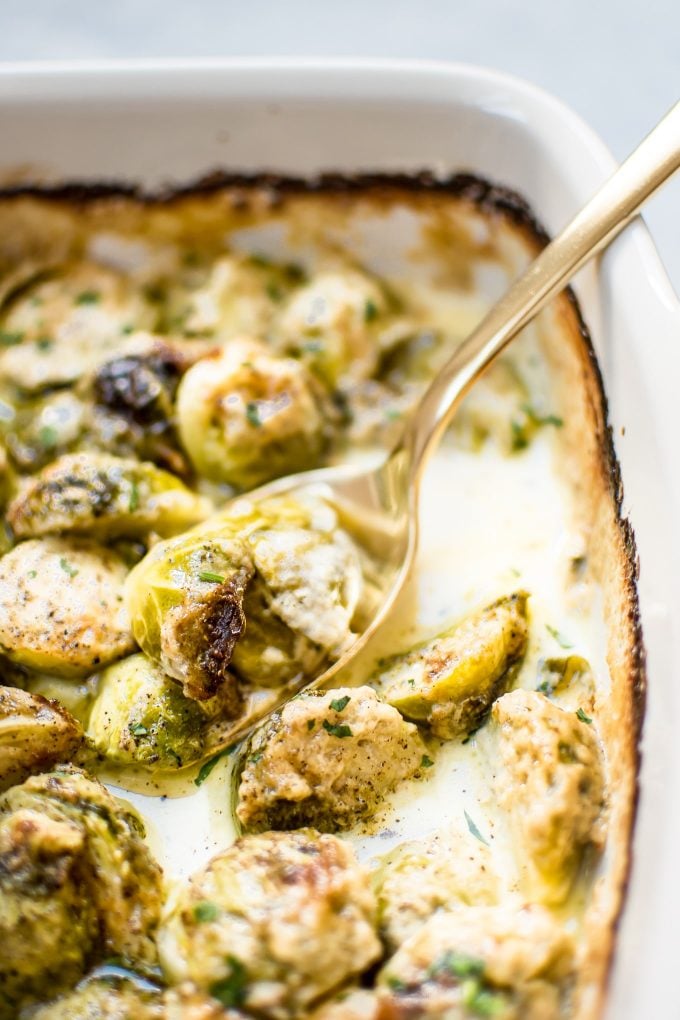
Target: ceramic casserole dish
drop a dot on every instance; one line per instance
(158, 124)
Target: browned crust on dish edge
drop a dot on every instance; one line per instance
(600, 482)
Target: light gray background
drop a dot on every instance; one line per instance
(617, 62)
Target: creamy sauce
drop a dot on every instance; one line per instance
(490, 524)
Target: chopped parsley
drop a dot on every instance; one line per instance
(134, 497)
(370, 311)
(479, 1000)
(580, 714)
(396, 984)
(474, 830)
(253, 414)
(48, 437)
(460, 965)
(340, 703)
(10, 339)
(138, 730)
(336, 730)
(541, 419)
(88, 297)
(231, 990)
(255, 757)
(210, 577)
(562, 641)
(44, 344)
(32, 574)
(127, 329)
(67, 567)
(411, 682)
(206, 911)
(426, 762)
(274, 291)
(207, 766)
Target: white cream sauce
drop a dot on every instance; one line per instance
(491, 524)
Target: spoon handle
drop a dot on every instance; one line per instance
(592, 229)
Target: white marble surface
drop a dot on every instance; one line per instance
(615, 61)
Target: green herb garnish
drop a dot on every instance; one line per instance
(231, 991)
(480, 1001)
(32, 574)
(127, 329)
(340, 703)
(206, 911)
(336, 730)
(370, 311)
(10, 339)
(44, 344)
(134, 497)
(67, 567)
(396, 984)
(426, 762)
(580, 714)
(255, 757)
(88, 297)
(207, 766)
(138, 730)
(274, 292)
(253, 414)
(474, 830)
(210, 577)
(562, 641)
(48, 437)
(460, 965)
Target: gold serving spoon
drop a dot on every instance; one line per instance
(380, 505)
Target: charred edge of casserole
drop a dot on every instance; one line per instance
(484, 195)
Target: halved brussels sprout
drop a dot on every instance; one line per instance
(326, 760)
(77, 885)
(448, 869)
(134, 399)
(333, 323)
(185, 600)
(450, 682)
(481, 962)
(110, 992)
(106, 497)
(40, 430)
(34, 734)
(66, 324)
(61, 606)
(284, 561)
(252, 927)
(246, 417)
(140, 716)
(551, 781)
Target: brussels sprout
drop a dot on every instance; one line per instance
(481, 962)
(140, 716)
(333, 324)
(246, 417)
(185, 600)
(61, 606)
(325, 760)
(450, 682)
(551, 782)
(65, 325)
(110, 992)
(77, 885)
(34, 734)
(134, 399)
(252, 926)
(450, 868)
(43, 429)
(284, 561)
(237, 294)
(105, 497)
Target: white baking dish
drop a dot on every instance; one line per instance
(157, 122)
